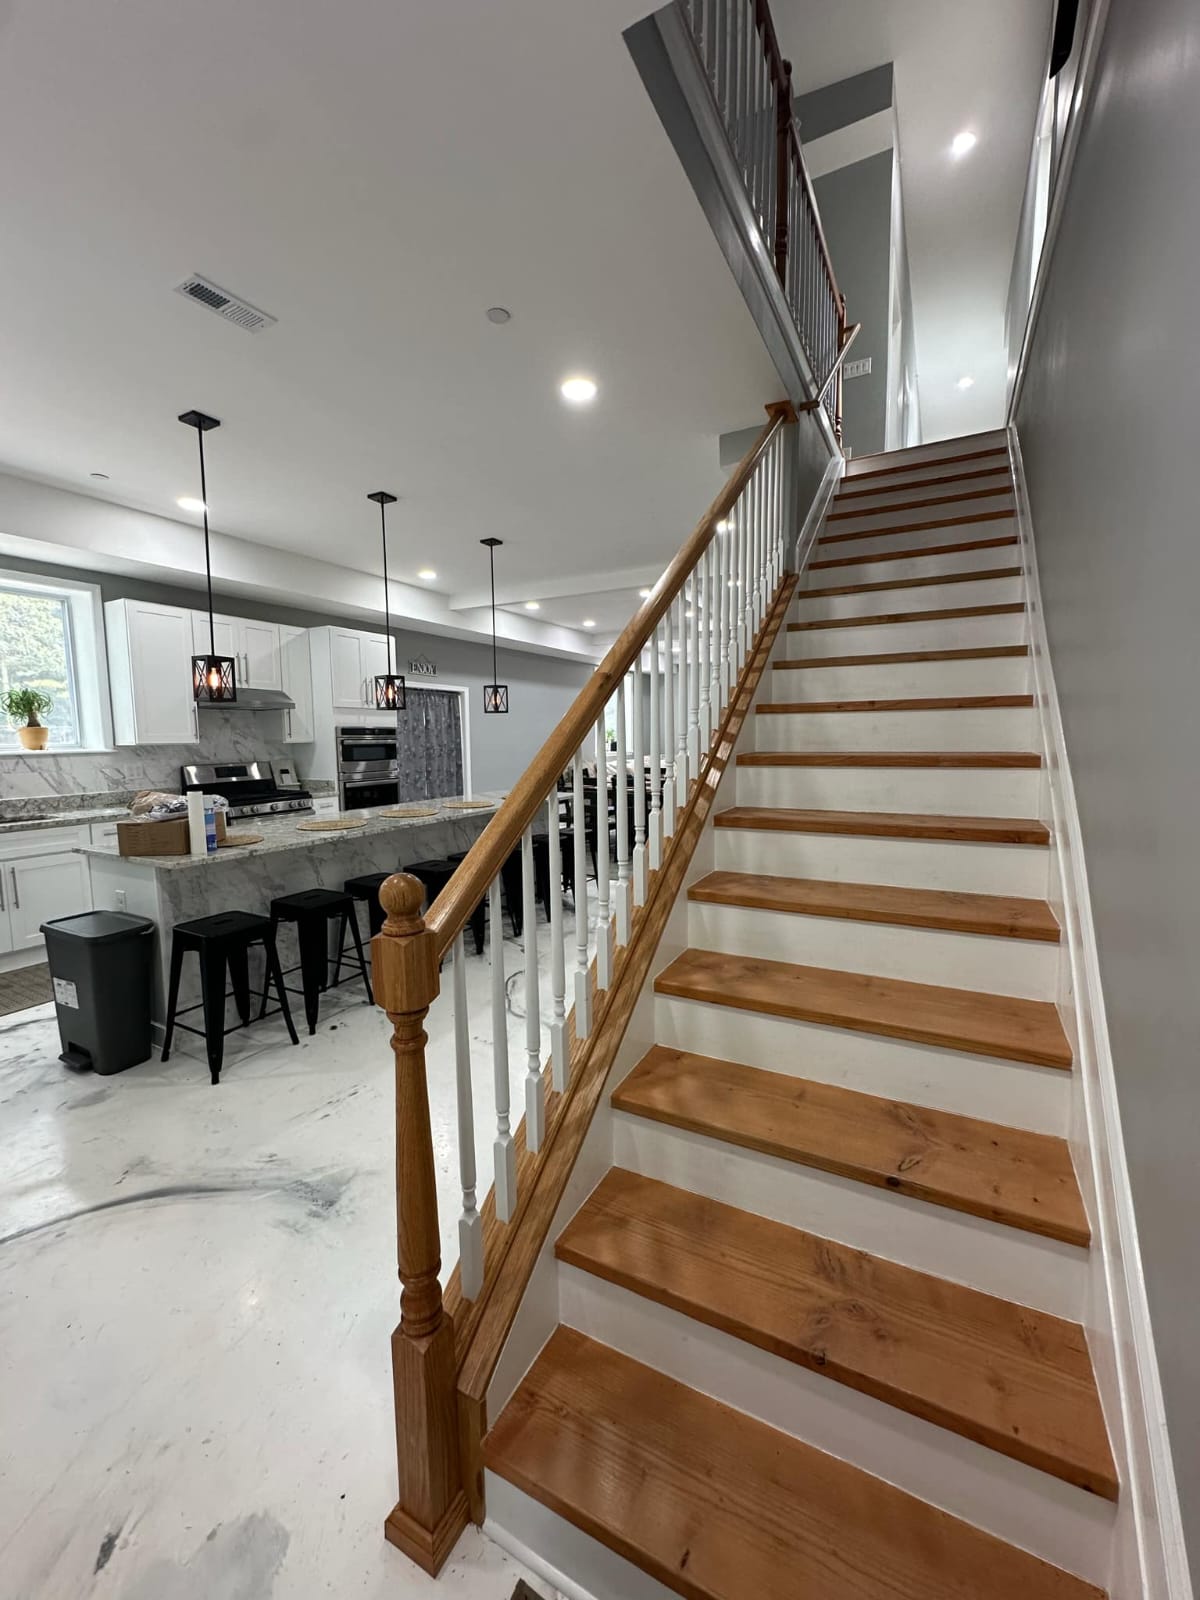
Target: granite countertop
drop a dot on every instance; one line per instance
(65, 819)
(284, 833)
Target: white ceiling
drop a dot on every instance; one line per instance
(375, 175)
(976, 65)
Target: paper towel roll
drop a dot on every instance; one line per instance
(196, 841)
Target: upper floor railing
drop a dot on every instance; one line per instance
(751, 85)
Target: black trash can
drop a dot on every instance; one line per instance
(100, 964)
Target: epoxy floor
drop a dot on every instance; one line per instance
(197, 1288)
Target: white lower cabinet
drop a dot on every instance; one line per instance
(41, 877)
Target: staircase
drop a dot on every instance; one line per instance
(818, 1325)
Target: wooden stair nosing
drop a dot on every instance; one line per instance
(967, 759)
(1015, 1380)
(958, 548)
(717, 1505)
(932, 581)
(929, 462)
(896, 658)
(887, 825)
(851, 493)
(948, 910)
(999, 1026)
(1009, 608)
(1009, 1176)
(924, 526)
(939, 702)
(961, 498)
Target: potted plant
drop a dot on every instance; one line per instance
(25, 705)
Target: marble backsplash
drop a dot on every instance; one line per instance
(97, 776)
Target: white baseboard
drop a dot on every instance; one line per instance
(1149, 1556)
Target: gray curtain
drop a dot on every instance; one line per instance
(429, 745)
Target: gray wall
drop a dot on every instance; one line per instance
(539, 691)
(1108, 419)
(856, 211)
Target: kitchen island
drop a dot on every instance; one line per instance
(172, 889)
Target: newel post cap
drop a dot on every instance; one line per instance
(403, 952)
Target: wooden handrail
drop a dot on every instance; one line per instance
(848, 339)
(449, 913)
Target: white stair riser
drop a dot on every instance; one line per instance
(1025, 968)
(901, 679)
(949, 791)
(873, 638)
(938, 455)
(949, 521)
(1014, 1502)
(967, 865)
(904, 567)
(859, 495)
(832, 547)
(1011, 1093)
(957, 728)
(925, 597)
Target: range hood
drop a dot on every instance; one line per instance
(249, 699)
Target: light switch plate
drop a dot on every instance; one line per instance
(858, 369)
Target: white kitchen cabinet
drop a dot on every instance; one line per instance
(41, 877)
(375, 658)
(223, 635)
(295, 661)
(355, 661)
(258, 644)
(150, 672)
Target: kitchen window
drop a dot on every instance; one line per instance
(51, 639)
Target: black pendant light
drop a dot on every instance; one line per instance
(389, 685)
(213, 676)
(495, 695)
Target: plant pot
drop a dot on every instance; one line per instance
(33, 738)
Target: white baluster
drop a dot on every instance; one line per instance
(604, 948)
(683, 774)
(654, 822)
(668, 795)
(639, 788)
(733, 664)
(746, 591)
(470, 1224)
(558, 977)
(720, 591)
(623, 908)
(703, 608)
(535, 1088)
(693, 686)
(504, 1150)
(583, 983)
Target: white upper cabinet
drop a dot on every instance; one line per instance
(223, 636)
(258, 643)
(296, 668)
(374, 662)
(150, 672)
(346, 667)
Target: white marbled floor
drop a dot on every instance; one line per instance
(196, 1295)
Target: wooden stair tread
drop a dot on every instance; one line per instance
(911, 555)
(1008, 1175)
(929, 524)
(961, 498)
(1016, 1380)
(848, 492)
(884, 658)
(889, 758)
(718, 1506)
(1010, 608)
(977, 575)
(887, 824)
(1001, 1026)
(935, 702)
(931, 462)
(952, 910)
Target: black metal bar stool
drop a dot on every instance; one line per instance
(222, 943)
(366, 887)
(312, 910)
(435, 875)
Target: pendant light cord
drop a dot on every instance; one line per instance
(492, 561)
(212, 627)
(387, 615)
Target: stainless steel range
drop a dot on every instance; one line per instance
(249, 786)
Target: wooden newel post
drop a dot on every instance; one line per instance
(431, 1510)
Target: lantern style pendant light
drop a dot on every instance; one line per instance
(495, 695)
(213, 677)
(389, 685)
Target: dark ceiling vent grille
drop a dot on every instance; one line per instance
(241, 312)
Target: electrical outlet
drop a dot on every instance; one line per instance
(119, 897)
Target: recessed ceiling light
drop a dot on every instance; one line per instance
(963, 143)
(965, 382)
(643, 594)
(499, 315)
(189, 502)
(98, 475)
(589, 622)
(533, 605)
(427, 573)
(578, 390)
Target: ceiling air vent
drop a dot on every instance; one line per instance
(207, 293)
